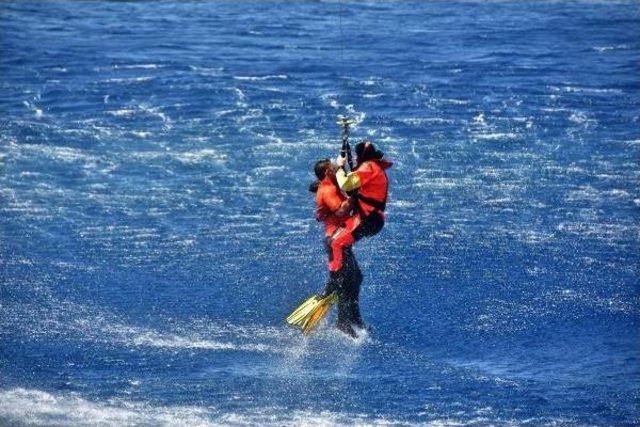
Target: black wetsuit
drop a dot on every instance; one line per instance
(347, 283)
(348, 304)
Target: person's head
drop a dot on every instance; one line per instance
(365, 150)
(321, 168)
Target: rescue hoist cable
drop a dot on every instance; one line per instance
(344, 121)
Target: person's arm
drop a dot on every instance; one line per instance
(355, 179)
(331, 199)
(322, 212)
(345, 208)
(332, 203)
(348, 182)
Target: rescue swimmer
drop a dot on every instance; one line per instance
(333, 208)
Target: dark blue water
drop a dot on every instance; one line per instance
(156, 225)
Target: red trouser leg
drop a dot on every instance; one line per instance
(342, 238)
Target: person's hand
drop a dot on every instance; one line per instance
(322, 213)
(341, 160)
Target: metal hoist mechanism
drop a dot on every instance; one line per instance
(345, 151)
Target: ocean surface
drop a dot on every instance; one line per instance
(156, 226)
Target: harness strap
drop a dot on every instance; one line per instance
(376, 204)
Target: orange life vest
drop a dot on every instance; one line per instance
(374, 186)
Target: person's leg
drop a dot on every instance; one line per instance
(342, 238)
(355, 280)
(336, 279)
(369, 226)
(355, 229)
(345, 303)
(342, 323)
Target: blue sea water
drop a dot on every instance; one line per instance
(156, 226)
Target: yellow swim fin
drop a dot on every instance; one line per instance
(318, 313)
(311, 312)
(297, 317)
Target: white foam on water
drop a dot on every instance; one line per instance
(419, 121)
(41, 408)
(479, 119)
(224, 112)
(601, 230)
(69, 320)
(494, 136)
(371, 81)
(455, 101)
(141, 134)
(100, 131)
(269, 170)
(603, 49)
(482, 130)
(587, 192)
(330, 99)
(497, 201)
(206, 155)
(142, 338)
(194, 157)
(402, 204)
(143, 110)
(37, 112)
(272, 89)
(128, 79)
(443, 183)
(54, 152)
(579, 117)
(211, 71)
(26, 208)
(535, 236)
(261, 78)
(241, 97)
(586, 90)
(117, 230)
(155, 111)
(253, 114)
(553, 109)
(123, 112)
(136, 66)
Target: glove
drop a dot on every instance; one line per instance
(341, 160)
